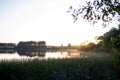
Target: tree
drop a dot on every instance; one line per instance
(111, 39)
(96, 10)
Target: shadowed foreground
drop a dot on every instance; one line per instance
(60, 69)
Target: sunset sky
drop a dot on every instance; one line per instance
(44, 20)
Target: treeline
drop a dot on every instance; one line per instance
(93, 47)
(23, 46)
(31, 46)
(109, 41)
(7, 45)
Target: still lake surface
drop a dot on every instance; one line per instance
(55, 55)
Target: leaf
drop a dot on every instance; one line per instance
(68, 11)
(73, 15)
(70, 8)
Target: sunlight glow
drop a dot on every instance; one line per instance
(43, 20)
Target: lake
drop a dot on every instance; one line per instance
(55, 55)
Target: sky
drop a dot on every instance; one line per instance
(44, 20)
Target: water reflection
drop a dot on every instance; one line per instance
(63, 54)
(7, 50)
(51, 54)
(32, 54)
(11, 54)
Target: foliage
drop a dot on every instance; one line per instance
(95, 10)
(88, 47)
(111, 40)
(30, 46)
(60, 69)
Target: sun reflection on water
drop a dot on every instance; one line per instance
(47, 55)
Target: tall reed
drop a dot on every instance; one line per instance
(57, 69)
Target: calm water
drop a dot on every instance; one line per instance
(46, 55)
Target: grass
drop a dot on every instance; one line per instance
(58, 69)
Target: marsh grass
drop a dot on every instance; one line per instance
(57, 69)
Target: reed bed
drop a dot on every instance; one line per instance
(58, 69)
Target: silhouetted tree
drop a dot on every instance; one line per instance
(95, 10)
(91, 45)
(69, 46)
(21, 48)
(111, 39)
(32, 46)
(88, 47)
